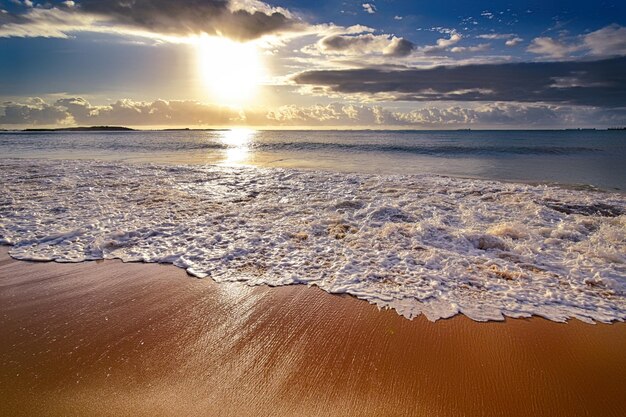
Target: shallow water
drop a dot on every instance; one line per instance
(592, 158)
(421, 244)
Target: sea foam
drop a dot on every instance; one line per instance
(419, 244)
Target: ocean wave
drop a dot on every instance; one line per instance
(137, 143)
(418, 244)
(422, 149)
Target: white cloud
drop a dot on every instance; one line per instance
(369, 8)
(513, 41)
(510, 39)
(451, 116)
(78, 111)
(495, 36)
(50, 23)
(439, 29)
(605, 42)
(608, 41)
(482, 47)
(552, 48)
(442, 44)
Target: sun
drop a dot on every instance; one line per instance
(231, 71)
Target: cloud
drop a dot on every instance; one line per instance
(399, 47)
(78, 111)
(190, 17)
(493, 114)
(510, 39)
(552, 48)
(442, 44)
(511, 115)
(367, 43)
(495, 36)
(239, 20)
(335, 114)
(482, 47)
(40, 22)
(34, 112)
(369, 8)
(597, 83)
(606, 42)
(513, 41)
(453, 116)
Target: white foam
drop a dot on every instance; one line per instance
(418, 244)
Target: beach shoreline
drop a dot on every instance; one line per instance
(505, 250)
(112, 338)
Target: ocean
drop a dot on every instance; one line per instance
(487, 224)
(580, 158)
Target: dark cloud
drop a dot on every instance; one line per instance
(189, 16)
(34, 112)
(166, 17)
(343, 42)
(400, 47)
(169, 16)
(245, 25)
(367, 43)
(11, 18)
(594, 83)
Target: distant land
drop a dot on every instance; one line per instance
(184, 129)
(187, 129)
(81, 129)
(103, 129)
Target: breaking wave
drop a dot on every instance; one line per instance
(419, 244)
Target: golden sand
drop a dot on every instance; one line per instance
(107, 338)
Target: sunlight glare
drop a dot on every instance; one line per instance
(238, 145)
(232, 71)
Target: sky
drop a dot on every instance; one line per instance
(313, 64)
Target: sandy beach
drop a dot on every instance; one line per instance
(108, 338)
(262, 208)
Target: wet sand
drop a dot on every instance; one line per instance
(107, 338)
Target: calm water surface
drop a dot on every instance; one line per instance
(596, 158)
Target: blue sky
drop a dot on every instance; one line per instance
(418, 64)
(527, 17)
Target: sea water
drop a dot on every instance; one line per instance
(594, 158)
(421, 222)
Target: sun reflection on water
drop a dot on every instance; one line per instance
(238, 145)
